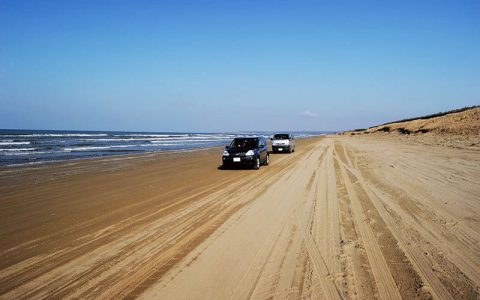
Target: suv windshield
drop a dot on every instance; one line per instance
(244, 143)
(281, 137)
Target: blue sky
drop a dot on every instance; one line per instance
(234, 65)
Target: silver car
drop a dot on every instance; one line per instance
(283, 142)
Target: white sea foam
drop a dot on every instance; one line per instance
(54, 135)
(182, 139)
(6, 143)
(85, 148)
(156, 146)
(27, 164)
(151, 135)
(27, 153)
(185, 142)
(17, 149)
(69, 149)
(112, 140)
(187, 138)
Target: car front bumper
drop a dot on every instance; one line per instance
(281, 148)
(238, 160)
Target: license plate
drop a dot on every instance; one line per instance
(236, 159)
(280, 149)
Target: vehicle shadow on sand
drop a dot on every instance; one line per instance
(223, 168)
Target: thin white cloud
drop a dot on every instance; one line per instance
(309, 114)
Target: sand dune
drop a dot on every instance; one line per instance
(342, 217)
(465, 122)
(458, 128)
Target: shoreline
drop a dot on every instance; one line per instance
(36, 147)
(120, 156)
(138, 153)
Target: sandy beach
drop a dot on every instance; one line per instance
(342, 217)
(211, 150)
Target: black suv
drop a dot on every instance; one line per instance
(246, 151)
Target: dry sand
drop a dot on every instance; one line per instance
(342, 217)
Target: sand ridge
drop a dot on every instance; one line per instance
(341, 218)
(459, 129)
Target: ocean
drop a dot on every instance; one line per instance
(29, 147)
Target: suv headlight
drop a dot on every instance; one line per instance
(225, 153)
(250, 153)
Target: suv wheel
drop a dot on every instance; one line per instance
(267, 160)
(257, 163)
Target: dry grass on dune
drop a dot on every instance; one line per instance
(455, 128)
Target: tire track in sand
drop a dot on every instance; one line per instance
(414, 254)
(387, 288)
